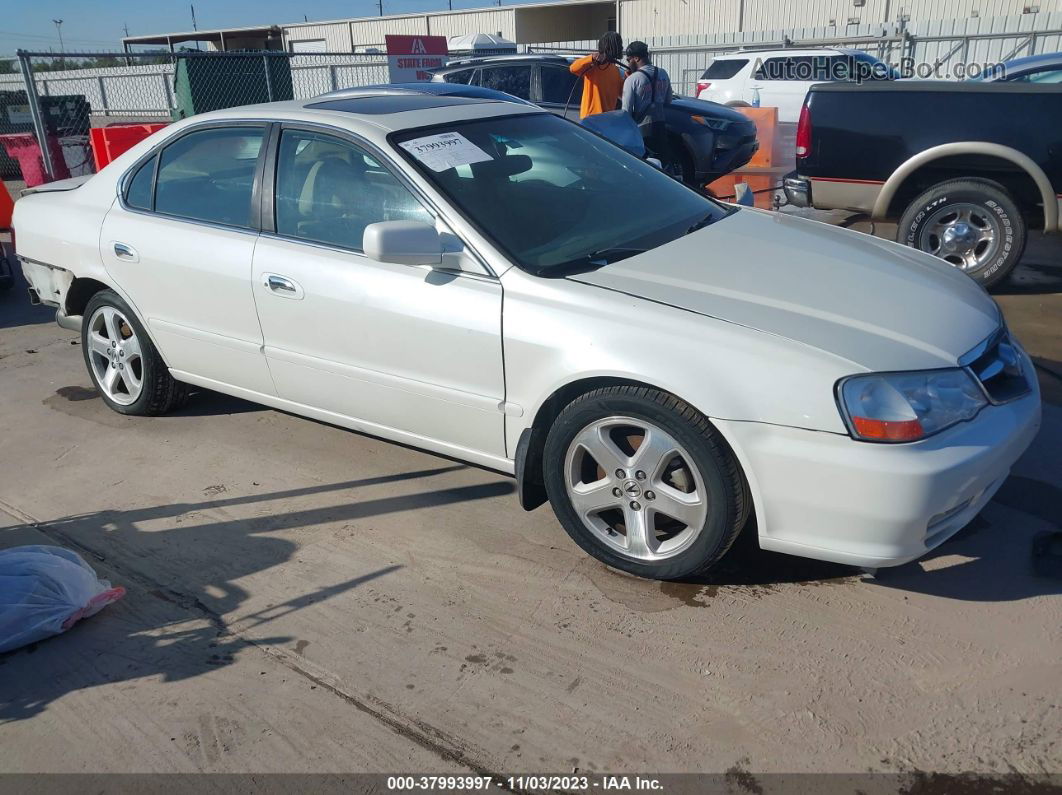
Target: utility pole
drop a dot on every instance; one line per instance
(59, 30)
(193, 16)
(379, 4)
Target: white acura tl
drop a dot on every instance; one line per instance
(480, 278)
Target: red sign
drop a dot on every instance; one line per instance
(410, 57)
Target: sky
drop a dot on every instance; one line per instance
(97, 25)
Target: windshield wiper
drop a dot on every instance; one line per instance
(592, 261)
(708, 219)
(607, 256)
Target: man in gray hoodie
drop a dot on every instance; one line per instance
(645, 92)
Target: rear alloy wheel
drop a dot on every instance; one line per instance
(642, 482)
(123, 363)
(972, 224)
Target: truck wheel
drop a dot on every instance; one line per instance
(973, 224)
(644, 483)
(123, 364)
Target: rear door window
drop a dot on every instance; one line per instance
(515, 80)
(208, 175)
(724, 68)
(560, 86)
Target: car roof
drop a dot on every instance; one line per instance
(459, 63)
(385, 109)
(1029, 61)
(787, 52)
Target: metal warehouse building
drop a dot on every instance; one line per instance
(577, 20)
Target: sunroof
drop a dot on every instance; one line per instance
(393, 103)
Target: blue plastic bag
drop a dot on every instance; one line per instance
(45, 590)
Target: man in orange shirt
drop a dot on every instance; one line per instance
(602, 78)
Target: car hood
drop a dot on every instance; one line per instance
(875, 303)
(704, 107)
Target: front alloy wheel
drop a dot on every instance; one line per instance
(643, 482)
(635, 488)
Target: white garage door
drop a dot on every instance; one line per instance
(308, 45)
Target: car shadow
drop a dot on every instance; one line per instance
(15, 307)
(185, 578)
(1002, 556)
(1038, 272)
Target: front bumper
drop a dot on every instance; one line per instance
(797, 190)
(829, 497)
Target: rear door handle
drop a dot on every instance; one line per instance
(128, 253)
(282, 286)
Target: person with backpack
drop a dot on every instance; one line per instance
(602, 78)
(646, 91)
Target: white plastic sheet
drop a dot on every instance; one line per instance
(45, 590)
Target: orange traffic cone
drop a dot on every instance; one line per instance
(7, 207)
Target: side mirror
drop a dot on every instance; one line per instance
(403, 243)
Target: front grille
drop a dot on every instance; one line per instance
(999, 365)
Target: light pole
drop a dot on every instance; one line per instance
(59, 30)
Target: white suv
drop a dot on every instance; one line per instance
(781, 78)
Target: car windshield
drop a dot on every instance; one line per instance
(554, 196)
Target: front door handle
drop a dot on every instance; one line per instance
(281, 286)
(276, 283)
(128, 253)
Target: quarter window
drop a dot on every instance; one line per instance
(724, 68)
(138, 194)
(329, 190)
(464, 76)
(515, 80)
(208, 175)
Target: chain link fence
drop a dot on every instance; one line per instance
(54, 101)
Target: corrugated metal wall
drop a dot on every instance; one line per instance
(708, 17)
(641, 18)
(371, 32)
(686, 57)
(499, 20)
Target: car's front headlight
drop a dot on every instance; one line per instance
(906, 407)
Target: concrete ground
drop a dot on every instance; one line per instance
(303, 598)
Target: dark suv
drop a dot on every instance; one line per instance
(710, 140)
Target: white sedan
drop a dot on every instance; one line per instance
(483, 279)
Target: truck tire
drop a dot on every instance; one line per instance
(973, 224)
(643, 482)
(122, 362)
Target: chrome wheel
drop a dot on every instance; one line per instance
(115, 356)
(966, 235)
(635, 488)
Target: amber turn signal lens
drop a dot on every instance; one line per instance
(888, 430)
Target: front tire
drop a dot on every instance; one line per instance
(122, 362)
(644, 483)
(973, 224)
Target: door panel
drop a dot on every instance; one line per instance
(395, 347)
(189, 279)
(401, 347)
(190, 285)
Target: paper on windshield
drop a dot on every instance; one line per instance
(445, 150)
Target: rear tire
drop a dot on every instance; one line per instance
(123, 364)
(663, 506)
(973, 224)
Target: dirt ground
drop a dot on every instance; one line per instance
(303, 598)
